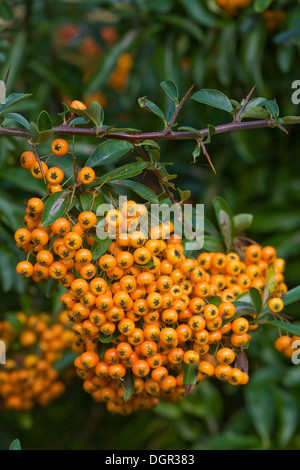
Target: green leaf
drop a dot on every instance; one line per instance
(128, 385)
(15, 55)
(185, 24)
(190, 129)
(6, 12)
(233, 440)
(94, 113)
(225, 54)
(197, 151)
(287, 119)
(255, 113)
(260, 410)
(109, 339)
(12, 318)
(199, 12)
(153, 108)
(55, 207)
(170, 411)
(149, 143)
(272, 107)
(212, 244)
(65, 361)
(44, 122)
(99, 247)
(34, 132)
(261, 5)
(225, 220)
(45, 135)
(255, 102)
(86, 200)
(256, 299)
(242, 308)
(190, 373)
(79, 121)
(290, 327)
(125, 171)
(51, 287)
(43, 131)
(15, 445)
(12, 100)
(150, 264)
(144, 191)
(16, 176)
(184, 195)
(288, 414)
(241, 222)
(171, 90)
(18, 118)
(211, 132)
(251, 51)
(213, 98)
(108, 152)
(214, 300)
(293, 295)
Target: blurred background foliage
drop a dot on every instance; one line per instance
(115, 52)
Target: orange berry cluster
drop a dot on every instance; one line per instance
(28, 377)
(162, 320)
(54, 175)
(39, 169)
(233, 6)
(143, 309)
(150, 304)
(284, 343)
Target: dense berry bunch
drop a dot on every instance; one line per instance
(33, 345)
(149, 323)
(163, 319)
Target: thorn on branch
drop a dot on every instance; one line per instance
(7, 75)
(39, 162)
(207, 156)
(178, 107)
(282, 128)
(246, 101)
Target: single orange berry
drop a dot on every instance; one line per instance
(27, 159)
(59, 147)
(86, 175)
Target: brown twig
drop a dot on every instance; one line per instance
(160, 135)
